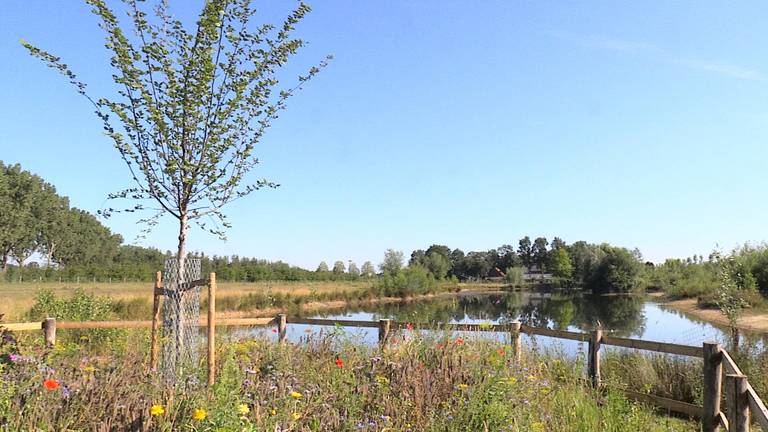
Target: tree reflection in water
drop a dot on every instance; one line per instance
(620, 314)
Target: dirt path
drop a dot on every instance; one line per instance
(752, 321)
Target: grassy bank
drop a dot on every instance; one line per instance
(326, 383)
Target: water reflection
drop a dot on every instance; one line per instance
(622, 314)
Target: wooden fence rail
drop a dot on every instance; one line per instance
(742, 402)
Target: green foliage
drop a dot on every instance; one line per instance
(514, 276)
(326, 383)
(618, 271)
(338, 268)
(560, 263)
(192, 104)
(367, 270)
(80, 306)
(393, 262)
(728, 295)
(437, 264)
(410, 281)
(352, 270)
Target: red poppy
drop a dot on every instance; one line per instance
(439, 346)
(409, 326)
(500, 351)
(339, 362)
(459, 341)
(274, 330)
(51, 384)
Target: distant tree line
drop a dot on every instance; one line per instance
(35, 219)
(601, 268)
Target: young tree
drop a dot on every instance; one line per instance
(393, 262)
(192, 105)
(367, 269)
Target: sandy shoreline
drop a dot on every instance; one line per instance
(751, 321)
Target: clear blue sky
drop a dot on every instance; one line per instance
(472, 124)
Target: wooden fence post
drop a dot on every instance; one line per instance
(737, 403)
(384, 326)
(514, 334)
(49, 332)
(713, 376)
(212, 329)
(157, 297)
(282, 325)
(594, 357)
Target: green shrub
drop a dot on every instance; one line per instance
(80, 306)
(514, 276)
(410, 281)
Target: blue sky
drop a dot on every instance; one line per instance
(471, 124)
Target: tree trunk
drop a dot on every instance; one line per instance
(181, 260)
(49, 255)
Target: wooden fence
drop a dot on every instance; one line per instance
(742, 402)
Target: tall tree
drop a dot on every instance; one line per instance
(338, 268)
(539, 252)
(323, 267)
(192, 105)
(525, 251)
(5, 217)
(367, 269)
(353, 270)
(393, 262)
(437, 264)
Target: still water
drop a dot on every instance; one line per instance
(625, 316)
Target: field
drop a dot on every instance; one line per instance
(18, 298)
(133, 300)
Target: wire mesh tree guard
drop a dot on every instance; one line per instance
(177, 307)
(181, 315)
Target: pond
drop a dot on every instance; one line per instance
(624, 316)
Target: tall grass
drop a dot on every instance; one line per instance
(327, 382)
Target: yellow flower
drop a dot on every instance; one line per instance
(89, 368)
(382, 380)
(199, 414)
(295, 395)
(296, 416)
(509, 380)
(462, 386)
(243, 409)
(273, 412)
(157, 410)
(537, 427)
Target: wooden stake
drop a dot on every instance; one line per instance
(157, 299)
(384, 326)
(49, 332)
(212, 329)
(713, 376)
(737, 403)
(514, 334)
(282, 323)
(594, 357)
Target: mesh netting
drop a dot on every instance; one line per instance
(181, 314)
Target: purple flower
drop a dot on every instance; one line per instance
(15, 358)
